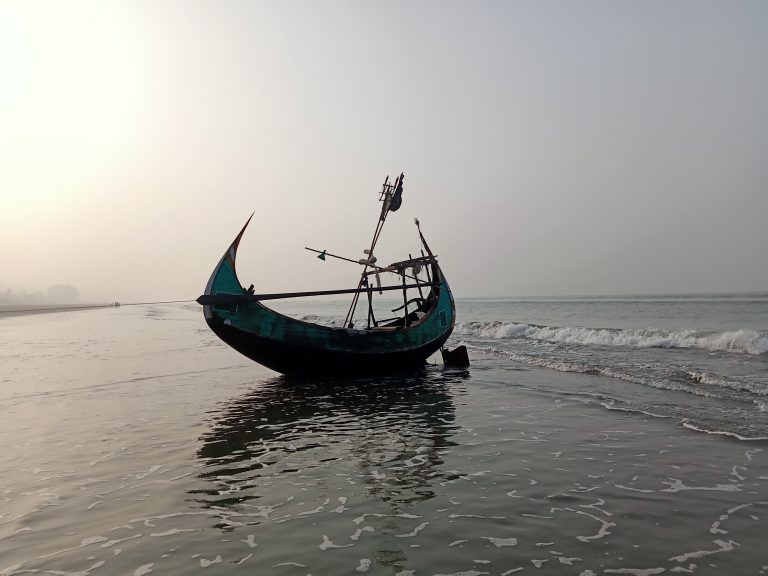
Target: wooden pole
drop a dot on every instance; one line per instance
(405, 301)
(379, 227)
(214, 299)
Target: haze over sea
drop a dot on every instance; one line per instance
(610, 435)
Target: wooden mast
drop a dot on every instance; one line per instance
(386, 197)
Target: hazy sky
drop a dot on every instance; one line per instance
(549, 147)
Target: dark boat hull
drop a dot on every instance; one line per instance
(292, 359)
(292, 346)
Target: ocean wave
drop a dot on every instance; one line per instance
(740, 341)
(714, 380)
(697, 428)
(581, 367)
(717, 389)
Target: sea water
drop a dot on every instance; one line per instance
(712, 349)
(589, 436)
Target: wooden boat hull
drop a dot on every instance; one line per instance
(293, 359)
(291, 346)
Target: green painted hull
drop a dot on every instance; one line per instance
(291, 346)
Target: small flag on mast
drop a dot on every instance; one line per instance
(322, 255)
(397, 196)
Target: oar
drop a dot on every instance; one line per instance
(222, 299)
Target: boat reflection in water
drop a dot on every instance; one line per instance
(299, 464)
(309, 457)
(386, 434)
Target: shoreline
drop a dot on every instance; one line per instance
(22, 310)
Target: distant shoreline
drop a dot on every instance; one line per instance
(11, 310)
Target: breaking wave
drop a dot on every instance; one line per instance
(740, 341)
(582, 367)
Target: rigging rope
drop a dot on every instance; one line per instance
(44, 308)
(146, 303)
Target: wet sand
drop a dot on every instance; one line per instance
(139, 444)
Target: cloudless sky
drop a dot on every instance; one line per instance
(594, 147)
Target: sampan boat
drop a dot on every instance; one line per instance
(292, 346)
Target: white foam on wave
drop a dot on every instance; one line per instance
(586, 368)
(741, 341)
(695, 428)
(662, 384)
(722, 546)
(501, 542)
(710, 379)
